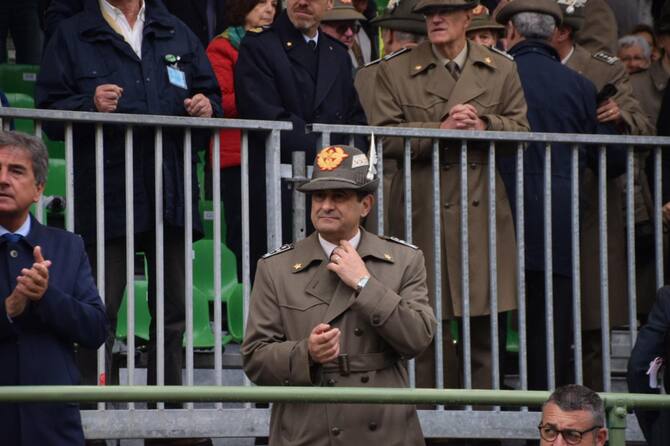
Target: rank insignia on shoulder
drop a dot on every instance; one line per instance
(604, 57)
(502, 53)
(396, 53)
(373, 62)
(401, 242)
(283, 248)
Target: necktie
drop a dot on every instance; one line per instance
(453, 69)
(358, 54)
(312, 45)
(12, 238)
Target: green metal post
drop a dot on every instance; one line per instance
(616, 422)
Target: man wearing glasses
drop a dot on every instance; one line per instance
(343, 23)
(573, 415)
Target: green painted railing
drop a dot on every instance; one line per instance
(617, 404)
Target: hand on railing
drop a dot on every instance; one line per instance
(463, 117)
(198, 106)
(107, 97)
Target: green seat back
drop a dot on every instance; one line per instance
(22, 100)
(207, 213)
(18, 78)
(142, 316)
(56, 179)
(203, 269)
(512, 334)
(203, 336)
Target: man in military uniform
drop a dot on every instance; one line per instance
(342, 307)
(291, 72)
(483, 29)
(624, 111)
(451, 83)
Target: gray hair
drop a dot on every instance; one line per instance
(534, 25)
(405, 36)
(634, 40)
(34, 146)
(575, 397)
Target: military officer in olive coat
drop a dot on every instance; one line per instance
(624, 111)
(343, 307)
(417, 89)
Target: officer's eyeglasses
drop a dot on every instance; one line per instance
(571, 436)
(343, 27)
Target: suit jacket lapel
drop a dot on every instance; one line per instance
(327, 72)
(294, 43)
(468, 86)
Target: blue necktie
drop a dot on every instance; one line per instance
(12, 238)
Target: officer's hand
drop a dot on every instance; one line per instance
(324, 343)
(609, 111)
(666, 213)
(33, 282)
(15, 304)
(347, 264)
(107, 97)
(463, 117)
(198, 106)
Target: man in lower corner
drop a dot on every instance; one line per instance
(344, 308)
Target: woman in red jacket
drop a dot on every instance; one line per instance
(222, 53)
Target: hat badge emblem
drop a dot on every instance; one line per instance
(331, 157)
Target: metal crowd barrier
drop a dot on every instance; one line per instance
(248, 421)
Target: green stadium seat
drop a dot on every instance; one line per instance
(203, 269)
(22, 100)
(512, 334)
(142, 316)
(203, 336)
(207, 214)
(18, 78)
(56, 180)
(234, 311)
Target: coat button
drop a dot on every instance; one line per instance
(358, 332)
(473, 166)
(475, 203)
(376, 319)
(447, 205)
(372, 426)
(331, 382)
(365, 378)
(14, 253)
(336, 431)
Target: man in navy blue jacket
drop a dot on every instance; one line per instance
(50, 301)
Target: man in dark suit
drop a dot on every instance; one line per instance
(292, 72)
(50, 301)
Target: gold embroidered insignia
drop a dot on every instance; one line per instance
(289, 44)
(331, 157)
(388, 257)
(487, 60)
(297, 266)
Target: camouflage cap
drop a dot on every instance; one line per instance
(341, 167)
(573, 13)
(514, 7)
(342, 10)
(481, 19)
(398, 16)
(422, 5)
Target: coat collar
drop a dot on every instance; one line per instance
(92, 26)
(36, 235)
(534, 46)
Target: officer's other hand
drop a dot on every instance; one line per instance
(463, 117)
(33, 282)
(609, 111)
(324, 343)
(198, 106)
(347, 264)
(107, 97)
(15, 304)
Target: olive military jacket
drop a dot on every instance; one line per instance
(388, 321)
(648, 86)
(415, 90)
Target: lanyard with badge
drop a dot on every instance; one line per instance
(176, 76)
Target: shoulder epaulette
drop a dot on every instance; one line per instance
(373, 62)
(283, 248)
(604, 57)
(396, 53)
(502, 53)
(401, 242)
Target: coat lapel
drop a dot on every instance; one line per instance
(294, 43)
(468, 86)
(327, 74)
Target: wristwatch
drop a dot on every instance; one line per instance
(361, 283)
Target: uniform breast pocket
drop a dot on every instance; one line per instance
(486, 104)
(428, 111)
(89, 78)
(300, 318)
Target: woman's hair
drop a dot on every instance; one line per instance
(238, 10)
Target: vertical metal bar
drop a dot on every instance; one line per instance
(352, 140)
(39, 206)
(246, 270)
(273, 190)
(604, 267)
(576, 274)
(437, 254)
(493, 270)
(658, 222)
(407, 171)
(130, 257)
(521, 271)
(325, 139)
(465, 266)
(630, 244)
(380, 189)
(216, 198)
(160, 266)
(188, 257)
(548, 270)
(299, 201)
(99, 215)
(69, 179)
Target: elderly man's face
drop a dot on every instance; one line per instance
(445, 26)
(484, 37)
(336, 214)
(345, 31)
(306, 15)
(576, 427)
(633, 58)
(18, 188)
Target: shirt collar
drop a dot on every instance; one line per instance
(459, 59)
(117, 13)
(567, 58)
(329, 247)
(315, 38)
(24, 230)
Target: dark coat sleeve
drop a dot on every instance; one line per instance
(651, 343)
(57, 11)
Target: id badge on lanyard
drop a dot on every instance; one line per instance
(176, 76)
